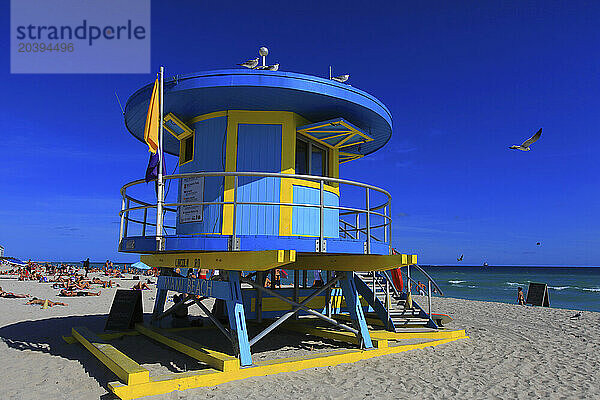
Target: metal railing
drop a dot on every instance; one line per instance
(377, 223)
(389, 285)
(430, 281)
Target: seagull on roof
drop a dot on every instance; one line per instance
(273, 67)
(250, 63)
(341, 78)
(528, 142)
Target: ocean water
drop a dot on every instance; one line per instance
(576, 288)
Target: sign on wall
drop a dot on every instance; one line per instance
(191, 191)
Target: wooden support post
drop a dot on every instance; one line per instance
(355, 308)
(328, 296)
(304, 278)
(237, 319)
(159, 303)
(260, 279)
(296, 288)
(273, 279)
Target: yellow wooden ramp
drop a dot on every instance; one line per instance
(211, 377)
(130, 372)
(215, 359)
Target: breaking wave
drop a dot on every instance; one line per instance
(596, 289)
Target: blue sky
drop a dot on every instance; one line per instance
(463, 81)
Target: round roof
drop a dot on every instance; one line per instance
(316, 99)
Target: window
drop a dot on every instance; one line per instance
(301, 160)
(187, 150)
(311, 158)
(318, 161)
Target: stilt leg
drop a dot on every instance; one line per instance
(159, 304)
(354, 306)
(237, 320)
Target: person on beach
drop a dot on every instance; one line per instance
(11, 295)
(73, 293)
(86, 266)
(420, 288)
(278, 272)
(105, 284)
(140, 286)
(41, 302)
(318, 281)
(520, 297)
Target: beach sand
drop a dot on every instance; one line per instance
(513, 352)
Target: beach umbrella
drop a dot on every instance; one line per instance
(18, 262)
(140, 265)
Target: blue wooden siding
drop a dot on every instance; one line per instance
(305, 220)
(258, 149)
(209, 155)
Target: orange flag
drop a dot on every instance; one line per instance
(152, 120)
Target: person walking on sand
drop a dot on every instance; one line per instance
(520, 297)
(86, 266)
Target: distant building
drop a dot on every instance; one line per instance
(1, 251)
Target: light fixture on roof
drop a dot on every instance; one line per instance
(263, 52)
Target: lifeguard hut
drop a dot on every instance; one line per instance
(258, 189)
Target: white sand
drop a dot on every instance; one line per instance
(513, 352)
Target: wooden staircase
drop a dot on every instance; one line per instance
(395, 312)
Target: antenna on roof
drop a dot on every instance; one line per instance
(330, 72)
(119, 101)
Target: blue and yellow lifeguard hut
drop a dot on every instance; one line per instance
(258, 189)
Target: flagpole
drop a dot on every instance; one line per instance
(160, 191)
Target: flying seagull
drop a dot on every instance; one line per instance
(460, 258)
(250, 63)
(538, 243)
(528, 142)
(341, 78)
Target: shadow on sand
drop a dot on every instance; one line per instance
(46, 336)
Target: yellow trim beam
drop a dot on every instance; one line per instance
(352, 262)
(215, 359)
(189, 380)
(341, 336)
(397, 336)
(227, 260)
(204, 117)
(130, 372)
(345, 157)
